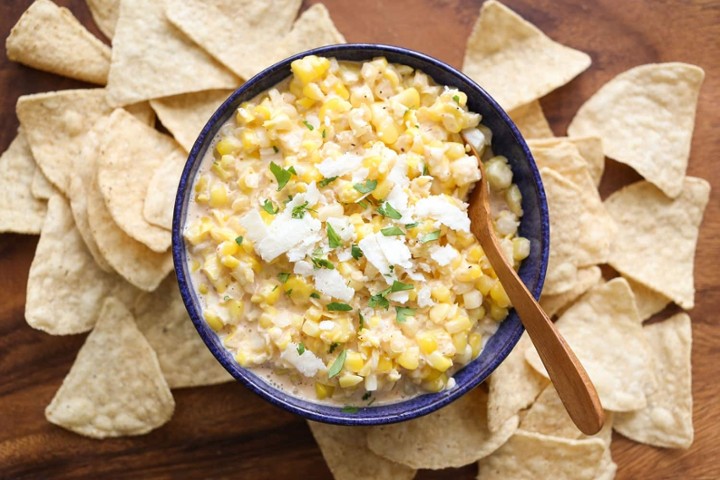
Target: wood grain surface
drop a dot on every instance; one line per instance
(228, 432)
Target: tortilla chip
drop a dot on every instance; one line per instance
(105, 14)
(184, 359)
(115, 387)
(648, 301)
(40, 186)
(242, 39)
(530, 456)
(168, 62)
(565, 223)
(667, 419)
(185, 115)
(589, 148)
(348, 457)
(162, 190)
(513, 386)
(514, 61)
(596, 226)
(531, 121)
(464, 436)
(655, 243)
(20, 211)
(50, 38)
(143, 112)
(130, 153)
(605, 333)
(645, 117)
(65, 287)
(55, 124)
(586, 278)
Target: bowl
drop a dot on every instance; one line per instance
(534, 226)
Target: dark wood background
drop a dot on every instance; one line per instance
(226, 431)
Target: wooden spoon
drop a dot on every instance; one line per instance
(567, 374)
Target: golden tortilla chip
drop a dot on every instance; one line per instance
(586, 278)
(130, 153)
(549, 417)
(531, 121)
(514, 61)
(185, 115)
(589, 148)
(184, 359)
(105, 14)
(50, 38)
(65, 287)
(603, 330)
(513, 386)
(648, 301)
(168, 63)
(241, 38)
(656, 238)
(666, 421)
(143, 112)
(162, 190)
(453, 436)
(347, 455)
(40, 186)
(115, 387)
(55, 124)
(531, 456)
(645, 117)
(20, 211)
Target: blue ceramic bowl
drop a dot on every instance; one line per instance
(534, 226)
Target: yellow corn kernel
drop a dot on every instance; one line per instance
(306, 102)
(349, 380)
(372, 163)
(213, 320)
(279, 121)
(384, 364)
(229, 261)
(460, 341)
(475, 253)
(269, 294)
(267, 217)
(311, 174)
(362, 231)
(203, 288)
(386, 131)
(313, 92)
(440, 293)
(469, 274)
(299, 286)
(454, 150)
(521, 248)
(263, 111)
(211, 268)
(438, 312)
(266, 320)
(340, 90)
(236, 309)
(409, 358)
(333, 107)
(382, 190)
(220, 171)
(436, 385)
(475, 342)
(228, 145)
(244, 115)
(438, 361)
(485, 284)
(194, 266)
(460, 323)
(323, 391)
(311, 328)
(498, 313)
(408, 97)
(353, 361)
(497, 293)
(464, 239)
(309, 69)
(513, 197)
(427, 342)
(228, 248)
(243, 359)
(348, 194)
(249, 140)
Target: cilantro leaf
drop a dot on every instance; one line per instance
(366, 187)
(324, 133)
(301, 348)
(350, 409)
(391, 231)
(456, 98)
(338, 307)
(333, 346)
(432, 236)
(326, 181)
(275, 149)
(308, 125)
(401, 313)
(281, 175)
(367, 396)
(387, 210)
(270, 207)
(283, 277)
(337, 364)
(298, 211)
(333, 237)
(322, 263)
(356, 252)
(315, 295)
(399, 286)
(426, 170)
(239, 240)
(379, 300)
(411, 225)
(361, 325)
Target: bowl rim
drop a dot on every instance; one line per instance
(335, 414)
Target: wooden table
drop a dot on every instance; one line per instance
(226, 431)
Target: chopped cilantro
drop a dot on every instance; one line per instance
(239, 240)
(298, 211)
(281, 175)
(362, 204)
(337, 364)
(367, 396)
(411, 225)
(301, 348)
(366, 187)
(350, 409)
(226, 298)
(399, 286)
(456, 98)
(401, 313)
(387, 210)
(333, 346)
(283, 277)
(308, 125)
(315, 295)
(270, 207)
(426, 170)
(356, 252)
(379, 300)
(322, 263)
(432, 236)
(333, 237)
(391, 231)
(275, 149)
(371, 401)
(361, 324)
(326, 181)
(338, 307)
(324, 133)
(288, 199)
(288, 292)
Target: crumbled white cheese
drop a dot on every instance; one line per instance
(506, 223)
(371, 249)
(398, 172)
(398, 199)
(475, 137)
(304, 248)
(399, 297)
(443, 255)
(343, 228)
(312, 194)
(308, 364)
(439, 208)
(465, 170)
(395, 250)
(472, 299)
(255, 228)
(344, 254)
(423, 298)
(330, 282)
(303, 268)
(326, 325)
(286, 232)
(336, 167)
(360, 174)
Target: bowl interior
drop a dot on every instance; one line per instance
(534, 226)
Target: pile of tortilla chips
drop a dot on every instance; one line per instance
(92, 175)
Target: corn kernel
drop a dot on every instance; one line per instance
(498, 313)
(228, 145)
(475, 342)
(313, 313)
(458, 324)
(384, 364)
(323, 391)
(409, 358)
(460, 341)
(427, 342)
(229, 261)
(235, 308)
(475, 253)
(436, 385)
(438, 361)
(440, 294)
(382, 190)
(349, 380)
(310, 68)
(311, 328)
(499, 296)
(243, 359)
(485, 284)
(353, 361)
(438, 312)
(471, 273)
(299, 286)
(408, 97)
(213, 320)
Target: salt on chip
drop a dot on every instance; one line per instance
(184, 359)
(50, 38)
(531, 121)
(453, 436)
(115, 387)
(185, 115)
(20, 211)
(589, 148)
(40, 186)
(55, 124)
(645, 117)
(666, 421)
(531, 456)
(348, 457)
(65, 287)
(167, 63)
(655, 243)
(105, 14)
(130, 153)
(516, 62)
(513, 386)
(238, 36)
(587, 278)
(605, 333)
(649, 302)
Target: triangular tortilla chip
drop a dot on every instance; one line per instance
(55, 124)
(185, 115)
(603, 330)
(50, 38)
(666, 421)
(531, 121)
(105, 14)
(20, 211)
(645, 117)
(465, 436)
(162, 190)
(586, 278)
(184, 358)
(130, 153)
(65, 288)
(168, 63)
(648, 301)
(514, 61)
(238, 36)
(40, 187)
(590, 149)
(346, 452)
(655, 243)
(115, 387)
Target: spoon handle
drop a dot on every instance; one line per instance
(570, 379)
